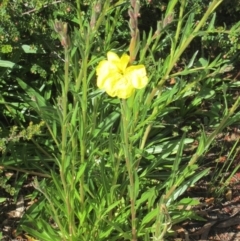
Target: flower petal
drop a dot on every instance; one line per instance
(112, 57)
(117, 79)
(124, 61)
(103, 70)
(137, 76)
(123, 88)
(110, 84)
(120, 63)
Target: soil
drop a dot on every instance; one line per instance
(219, 198)
(11, 211)
(222, 220)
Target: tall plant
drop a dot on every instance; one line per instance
(116, 174)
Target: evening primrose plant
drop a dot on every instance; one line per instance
(119, 171)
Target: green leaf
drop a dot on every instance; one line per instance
(107, 123)
(168, 147)
(147, 197)
(188, 201)
(111, 207)
(185, 185)
(136, 185)
(202, 143)
(32, 49)
(150, 216)
(212, 22)
(170, 6)
(203, 62)
(7, 64)
(81, 170)
(43, 231)
(190, 64)
(2, 199)
(123, 233)
(188, 29)
(37, 99)
(58, 188)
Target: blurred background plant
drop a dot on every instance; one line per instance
(86, 188)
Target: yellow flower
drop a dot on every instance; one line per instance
(117, 78)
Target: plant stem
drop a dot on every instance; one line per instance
(83, 120)
(63, 168)
(25, 171)
(180, 22)
(129, 164)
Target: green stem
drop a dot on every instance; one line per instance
(101, 16)
(82, 82)
(83, 120)
(26, 171)
(180, 22)
(80, 17)
(64, 157)
(130, 167)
